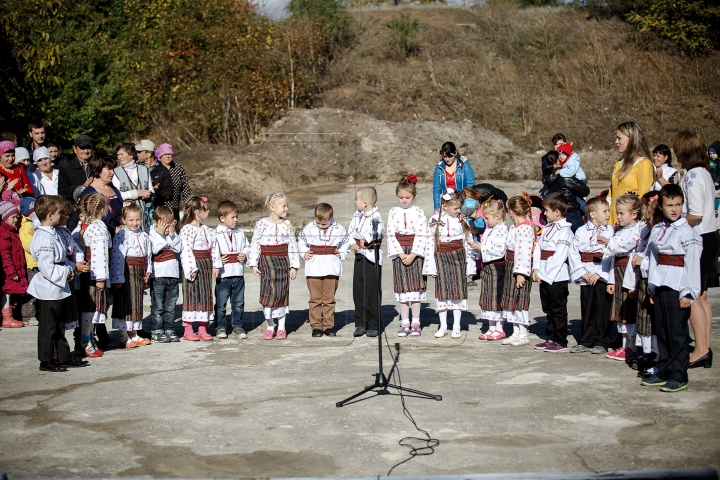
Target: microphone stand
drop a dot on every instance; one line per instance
(381, 385)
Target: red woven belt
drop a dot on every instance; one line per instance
(591, 257)
(545, 254)
(135, 261)
(201, 254)
(405, 240)
(322, 249)
(232, 258)
(510, 255)
(621, 261)
(450, 246)
(274, 250)
(671, 260)
(164, 256)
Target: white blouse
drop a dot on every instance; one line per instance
(194, 238)
(494, 243)
(129, 244)
(521, 240)
(273, 233)
(449, 229)
(406, 221)
(97, 239)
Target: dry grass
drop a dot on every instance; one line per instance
(527, 74)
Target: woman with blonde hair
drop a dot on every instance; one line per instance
(634, 172)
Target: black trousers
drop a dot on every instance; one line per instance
(365, 293)
(554, 303)
(595, 304)
(51, 331)
(671, 326)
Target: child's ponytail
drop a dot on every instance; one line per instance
(192, 205)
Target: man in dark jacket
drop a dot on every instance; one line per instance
(571, 188)
(74, 175)
(159, 175)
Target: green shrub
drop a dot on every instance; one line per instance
(404, 35)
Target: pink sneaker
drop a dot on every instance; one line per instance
(269, 334)
(622, 354)
(281, 335)
(191, 337)
(615, 353)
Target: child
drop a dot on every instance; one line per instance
(93, 298)
(471, 212)
(75, 259)
(15, 283)
(197, 242)
(492, 277)
(324, 244)
(230, 252)
(449, 260)
(274, 257)
(636, 282)
(26, 232)
(620, 249)
(164, 288)
(407, 234)
(130, 267)
(674, 252)
(366, 224)
(50, 288)
(550, 269)
(518, 268)
(586, 268)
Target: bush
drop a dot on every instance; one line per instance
(404, 35)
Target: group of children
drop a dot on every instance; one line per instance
(643, 274)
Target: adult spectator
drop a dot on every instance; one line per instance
(571, 188)
(181, 185)
(102, 170)
(133, 180)
(634, 172)
(453, 171)
(159, 176)
(664, 173)
(713, 151)
(47, 176)
(557, 140)
(488, 190)
(699, 211)
(75, 175)
(36, 132)
(8, 137)
(57, 157)
(15, 175)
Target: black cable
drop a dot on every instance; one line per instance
(430, 442)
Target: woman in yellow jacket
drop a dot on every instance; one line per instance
(634, 172)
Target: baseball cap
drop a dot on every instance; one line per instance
(27, 206)
(145, 145)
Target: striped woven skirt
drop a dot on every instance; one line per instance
(128, 299)
(274, 281)
(92, 300)
(198, 294)
(492, 279)
(70, 307)
(451, 282)
(645, 310)
(624, 308)
(513, 298)
(408, 281)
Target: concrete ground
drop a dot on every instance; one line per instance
(257, 408)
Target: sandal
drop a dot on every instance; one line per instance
(415, 330)
(404, 332)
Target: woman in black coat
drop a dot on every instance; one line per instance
(571, 188)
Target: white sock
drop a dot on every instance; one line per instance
(492, 325)
(415, 307)
(516, 329)
(523, 329)
(281, 323)
(443, 320)
(499, 325)
(270, 324)
(456, 320)
(646, 343)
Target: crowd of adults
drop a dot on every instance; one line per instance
(141, 173)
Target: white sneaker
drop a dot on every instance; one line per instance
(456, 334)
(441, 333)
(521, 340)
(510, 340)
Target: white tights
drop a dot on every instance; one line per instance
(405, 313)
(456, 320)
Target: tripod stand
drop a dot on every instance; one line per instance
(381, 384)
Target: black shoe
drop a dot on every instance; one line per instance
(317, 332)
(160, 338)
(172, 336)
(143, 334)
(330, 332)
(359, 332)
(704, 361)
(74, 362)
(372, 333)
(51, 367)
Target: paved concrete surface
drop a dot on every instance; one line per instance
(255, 408)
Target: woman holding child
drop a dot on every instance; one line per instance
(634, 172)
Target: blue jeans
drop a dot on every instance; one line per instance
(164, 293)
(232, 288)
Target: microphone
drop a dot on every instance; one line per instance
(375, 224)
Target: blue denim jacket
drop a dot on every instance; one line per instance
(464, 177)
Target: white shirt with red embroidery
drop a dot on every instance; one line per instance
(229, 241)
(585, 241)
(161, 242)
(129, 244)
(323, 265)
(557, 238)
(494, 243)
(520, 240)
(676, 238)
(194, 238)
(97, 239)
(361, 228)
(407, 221)
(271, 233)
(51, 282)
(623, 244)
